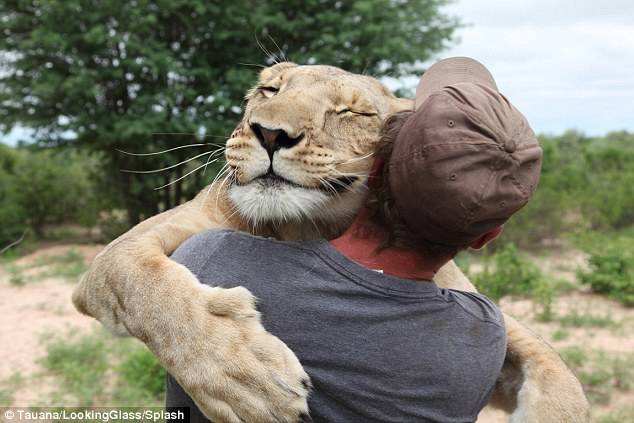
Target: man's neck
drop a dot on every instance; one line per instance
(362, 248)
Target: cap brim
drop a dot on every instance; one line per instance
(451, 71)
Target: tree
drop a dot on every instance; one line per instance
(106, 75)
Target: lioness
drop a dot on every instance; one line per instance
(326, 123)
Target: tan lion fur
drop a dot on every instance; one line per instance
(211, 339)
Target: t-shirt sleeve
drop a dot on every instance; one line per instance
(491, 336)
(479, 306)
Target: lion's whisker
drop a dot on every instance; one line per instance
(220, 173)
(164, 151)
(225, 179)
(221, 149)
(210, 153)
(359, 175)
(193, 134)
(284, 58)
(329, 186)
(234, 210)
(184, 176)
(353, 160)
(252, 64)
(222, 170)
(266, 51)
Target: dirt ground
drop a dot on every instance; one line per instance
(37, 309)
(31, 313)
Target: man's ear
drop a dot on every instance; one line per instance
(400, 104)
(486, 238)
(270, 72)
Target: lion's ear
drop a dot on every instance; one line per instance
(272, 71)
(400, 104)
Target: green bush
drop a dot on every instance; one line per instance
(12, 215)
(611, 270)
(608, 202)
(39, 187)
(586, 183)
(506, 272)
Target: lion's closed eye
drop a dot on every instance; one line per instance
(345, 109)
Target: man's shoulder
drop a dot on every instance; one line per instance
(202, 241)
(197, 250)
(477, 305)
(226, 246)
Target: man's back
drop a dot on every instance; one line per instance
(377, 348)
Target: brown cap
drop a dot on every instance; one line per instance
(465, 160)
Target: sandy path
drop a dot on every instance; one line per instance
(30, 314)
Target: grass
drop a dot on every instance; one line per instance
(575, 357)
(560, 334)
(576, 319)
(141, 379)
(600, 373)
(8, 387)
(16, 278)
(618, 416)
(101, 370)
(80, 364)
(69, 266)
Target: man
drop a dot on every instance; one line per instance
(380, 341)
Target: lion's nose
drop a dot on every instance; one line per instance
(274, 139)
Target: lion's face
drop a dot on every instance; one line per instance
(303, 150)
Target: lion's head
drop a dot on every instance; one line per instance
(303, 150)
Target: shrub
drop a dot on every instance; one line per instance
(586, 183)
(39, 187)
(611, 269)
(12, 214)
(506, 272)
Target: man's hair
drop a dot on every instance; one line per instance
(383, 214)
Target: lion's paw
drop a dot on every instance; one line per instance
(241, 372)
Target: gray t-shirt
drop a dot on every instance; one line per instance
(377, 348)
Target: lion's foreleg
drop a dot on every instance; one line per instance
(110, 290)
(548, 391)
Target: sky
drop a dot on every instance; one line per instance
(566, 64)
